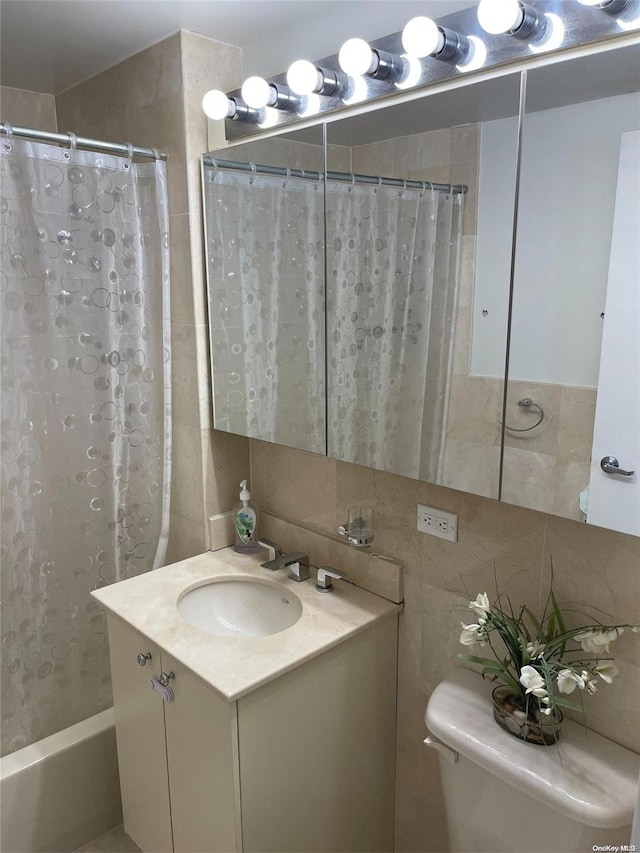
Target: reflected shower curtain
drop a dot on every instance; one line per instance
(266, 306)
(85, 417)
(392, 270)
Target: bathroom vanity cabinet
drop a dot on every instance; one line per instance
(304, 762)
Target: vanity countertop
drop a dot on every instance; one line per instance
(235, 666)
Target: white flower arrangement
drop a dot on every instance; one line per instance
(542, 663)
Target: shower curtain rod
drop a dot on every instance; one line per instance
(346, 177)
(72, 141)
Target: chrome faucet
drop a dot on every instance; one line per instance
(296, 562)
(324, 581)
(273, 549)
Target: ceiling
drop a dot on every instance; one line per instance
(51, 45)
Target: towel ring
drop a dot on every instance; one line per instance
(526, 403)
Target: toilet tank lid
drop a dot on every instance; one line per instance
(585, 776)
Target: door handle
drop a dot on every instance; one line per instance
(610, 465)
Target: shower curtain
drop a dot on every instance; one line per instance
(85, 417)
(393, 259)
(266, 305)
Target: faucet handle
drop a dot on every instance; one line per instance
(273, 549)
(325, 574)
(298, 565)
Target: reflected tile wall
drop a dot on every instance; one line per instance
(499, 543)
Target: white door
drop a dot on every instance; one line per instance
(614, 499)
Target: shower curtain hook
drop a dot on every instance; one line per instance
(254, 172)
(353, 181)
(379, 183)
(129, 148)
(286, 180)
(404, 187)
(73, 141)
(7, 128)
(156, 154)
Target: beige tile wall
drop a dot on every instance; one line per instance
(515, 546)
(28, 109)
(153, 99)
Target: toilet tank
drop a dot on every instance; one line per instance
(502, 794)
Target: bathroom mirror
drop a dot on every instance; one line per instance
(416, 293)
(264, 213)
(579, 165)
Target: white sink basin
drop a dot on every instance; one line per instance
(240, 608)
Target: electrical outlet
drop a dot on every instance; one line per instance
(437, 522)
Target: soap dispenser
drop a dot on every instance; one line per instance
(245, 520)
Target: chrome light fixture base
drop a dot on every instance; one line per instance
(583, 25)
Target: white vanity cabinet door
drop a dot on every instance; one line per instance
(317, 751)
(142, 760)
(201, 731)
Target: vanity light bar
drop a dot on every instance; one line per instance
(472, 39)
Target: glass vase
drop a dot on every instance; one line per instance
(510, 711)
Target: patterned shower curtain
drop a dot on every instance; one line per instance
(266, 305)
(85, 417)
(393, 258)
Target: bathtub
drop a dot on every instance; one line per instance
(62, 791)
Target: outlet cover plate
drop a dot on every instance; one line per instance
(438, 522)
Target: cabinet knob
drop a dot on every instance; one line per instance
(143, 658)
(165, 677)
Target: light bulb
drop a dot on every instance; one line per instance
(268, 118)
(356, 58)
(590, 2)
(413, 73)
(422, 37)
(310, 106)
(476, 57)
(500, 16)
(356, 91)
(303, 77)
(217, 105)
(256, 92)
(553, 35)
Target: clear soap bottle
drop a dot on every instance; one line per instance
(245, 520)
